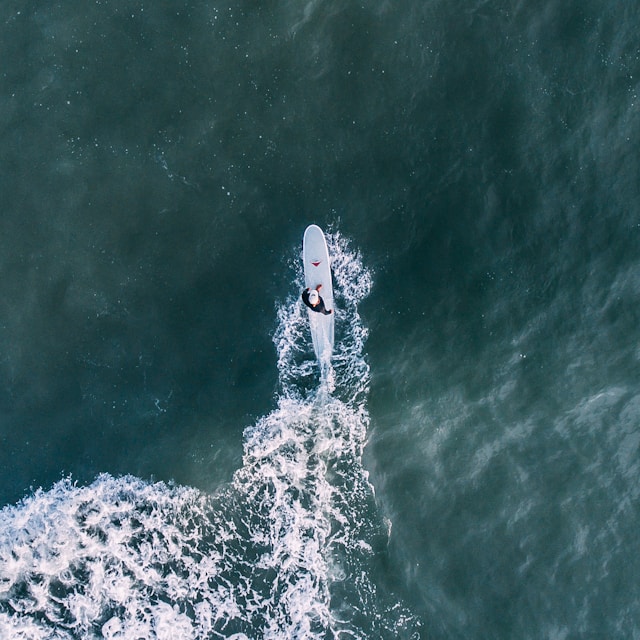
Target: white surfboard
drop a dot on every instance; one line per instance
(317, 271)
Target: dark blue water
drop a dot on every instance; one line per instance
(471, 468)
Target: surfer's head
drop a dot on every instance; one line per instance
(314, 297)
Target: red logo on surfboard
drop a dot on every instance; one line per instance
(315, 264)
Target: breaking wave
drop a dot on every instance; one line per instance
(283, 551)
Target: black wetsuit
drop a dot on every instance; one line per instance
(320, 308)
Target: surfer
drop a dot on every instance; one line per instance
(313, 300)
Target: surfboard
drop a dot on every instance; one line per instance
(317, 271)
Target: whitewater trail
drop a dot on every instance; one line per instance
(283, 551)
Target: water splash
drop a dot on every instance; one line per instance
(283, 551)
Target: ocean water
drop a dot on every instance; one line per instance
(172, 463)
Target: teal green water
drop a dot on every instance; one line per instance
(472, 472)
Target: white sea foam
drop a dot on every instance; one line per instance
(281, 552)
